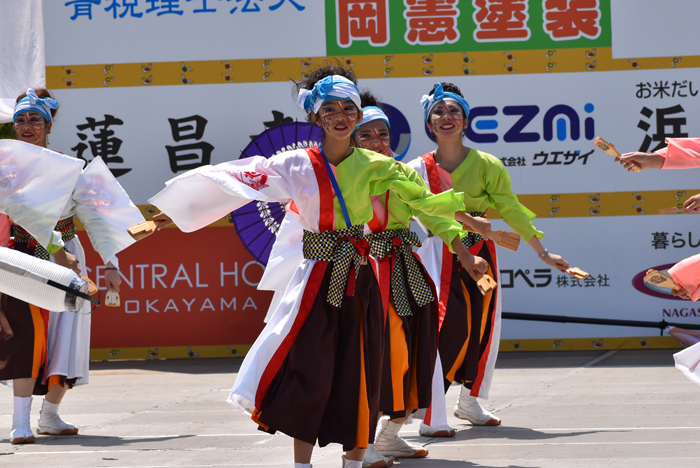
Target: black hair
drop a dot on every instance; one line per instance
(308, 82)
(368, 99)
(449, 87)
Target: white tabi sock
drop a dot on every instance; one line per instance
(391, 430)
(302, 465)
(49, 409)
(351, 463)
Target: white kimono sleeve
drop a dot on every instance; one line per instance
(105, 209)
(35, 186)
(204, 195)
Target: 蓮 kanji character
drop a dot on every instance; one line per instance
(104, 144)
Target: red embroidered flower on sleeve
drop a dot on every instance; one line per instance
(251, 179)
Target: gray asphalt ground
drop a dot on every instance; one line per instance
(559, 409)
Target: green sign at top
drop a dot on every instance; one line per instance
(362, 27)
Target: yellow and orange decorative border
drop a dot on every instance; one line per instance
(366, 66)
(223, 351)
(564, 205)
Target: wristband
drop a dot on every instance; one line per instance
(110, 268)
(543, 253)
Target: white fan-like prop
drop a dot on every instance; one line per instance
(35, 186)
(44, 284)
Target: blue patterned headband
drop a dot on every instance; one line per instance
(428, 102)
(371, 113)
(327, 89)
(32, 102)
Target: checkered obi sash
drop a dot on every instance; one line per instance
(64, 226)
(398, 244)
(341, 247)
(473, 238)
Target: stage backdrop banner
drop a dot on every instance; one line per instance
(181, 84)
(21, 52)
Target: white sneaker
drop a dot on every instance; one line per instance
(21, 432)
(372, 459)
(389, 444)
(436, 431)
(51, 423)
(469, 408)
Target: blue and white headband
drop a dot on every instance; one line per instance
(428, 102)
(371, 113)
(327, 89)
(32, 102)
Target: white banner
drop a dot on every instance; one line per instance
(182, 30)
(21, 52)
(541, 121)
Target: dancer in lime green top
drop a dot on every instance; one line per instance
(410, 345)
(470, 322)
(313, 373)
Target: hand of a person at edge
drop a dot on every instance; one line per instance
(692, 204)
(555, 261)
(475, 266)
(162, 220)
(641, 160)
(68, 260)
(481, 226)
(682, 293)
(112, 278)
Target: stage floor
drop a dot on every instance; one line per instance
(559, 409)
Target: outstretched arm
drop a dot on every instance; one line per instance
(641, 160)
(555, 261)
(481, 226)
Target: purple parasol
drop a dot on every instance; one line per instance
(257, 222)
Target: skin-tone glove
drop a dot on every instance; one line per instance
(475, 266)
(67, 260)
(476, 224)
(162, 220)
(641, 160)
(692, 204)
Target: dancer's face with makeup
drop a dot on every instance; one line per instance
(338, 118)
(32, 127)
(447, 119)
(374, 136)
